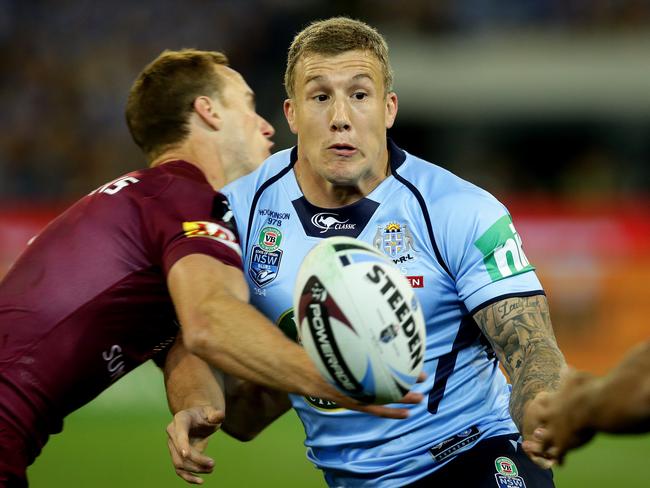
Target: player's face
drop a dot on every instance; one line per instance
(340, 114)
(246, 134)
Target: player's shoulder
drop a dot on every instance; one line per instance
(270, 171)
(443, 190)
(152, 182)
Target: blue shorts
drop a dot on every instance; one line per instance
(496, 462)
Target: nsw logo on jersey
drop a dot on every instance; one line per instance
(264, 265)
(502, 251)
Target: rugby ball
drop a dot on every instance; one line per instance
(359, 320)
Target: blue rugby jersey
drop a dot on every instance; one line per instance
(460, 251)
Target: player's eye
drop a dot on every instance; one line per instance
(360, 95)
(321, 97)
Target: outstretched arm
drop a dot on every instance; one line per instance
(220, 327)
(521, 334)
(617, 403)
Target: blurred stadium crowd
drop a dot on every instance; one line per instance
(67, 67)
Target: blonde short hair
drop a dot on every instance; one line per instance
(336, 36)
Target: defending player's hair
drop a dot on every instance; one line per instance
(161, 98)
(336, 36)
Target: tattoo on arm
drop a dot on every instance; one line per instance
(521, 334)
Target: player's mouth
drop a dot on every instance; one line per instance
(343, 149)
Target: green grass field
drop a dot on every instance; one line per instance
(119, 440)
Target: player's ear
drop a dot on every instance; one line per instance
(391, 109)
(290, 114)
(206, 109)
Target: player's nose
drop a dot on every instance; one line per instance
(266, 128)
(340, 120)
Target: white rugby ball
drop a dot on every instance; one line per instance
(359, 320)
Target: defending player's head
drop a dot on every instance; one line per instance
(192, 93)
(341, 103)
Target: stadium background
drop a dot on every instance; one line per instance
(546, 103)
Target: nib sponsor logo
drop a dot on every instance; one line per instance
(327, 220)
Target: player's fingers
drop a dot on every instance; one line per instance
(385, 412)
(532, 448)
(212, 416)
(177, 461)
(542, 462)
(189, 477)
(187, 463)
(412, 397)
(197, 462)
(422, 377)
(178, 433)
(538, 456)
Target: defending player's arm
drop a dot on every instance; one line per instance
(251, 408)
(220, 327)
(617, 403)
(195, 396)
(521, 334)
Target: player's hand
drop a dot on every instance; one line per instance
(535, 416)
(187, 438)
(559, 426)
(384, 411)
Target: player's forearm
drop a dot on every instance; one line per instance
(540, 372)
(235, 338)
(521, 334)
(620, 401)
(251, 408)
(190, 382)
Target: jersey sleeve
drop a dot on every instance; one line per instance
(485, 253)
(190, 218)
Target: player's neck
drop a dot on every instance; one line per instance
(208, 163)
(322, 193)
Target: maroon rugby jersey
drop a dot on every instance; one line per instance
(87, 301)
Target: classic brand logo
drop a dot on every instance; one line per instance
(329, 220)
(502, 251)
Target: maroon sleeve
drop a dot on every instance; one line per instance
(189, 217)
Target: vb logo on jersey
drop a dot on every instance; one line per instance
(502, 252)
(507, 475)
(265, 257)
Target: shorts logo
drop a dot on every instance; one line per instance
(328, 220)
(395, 240)
(502, 251)
(212, 230)
(452, 445)
(507, 475)
(264, 265)
(270, 238)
